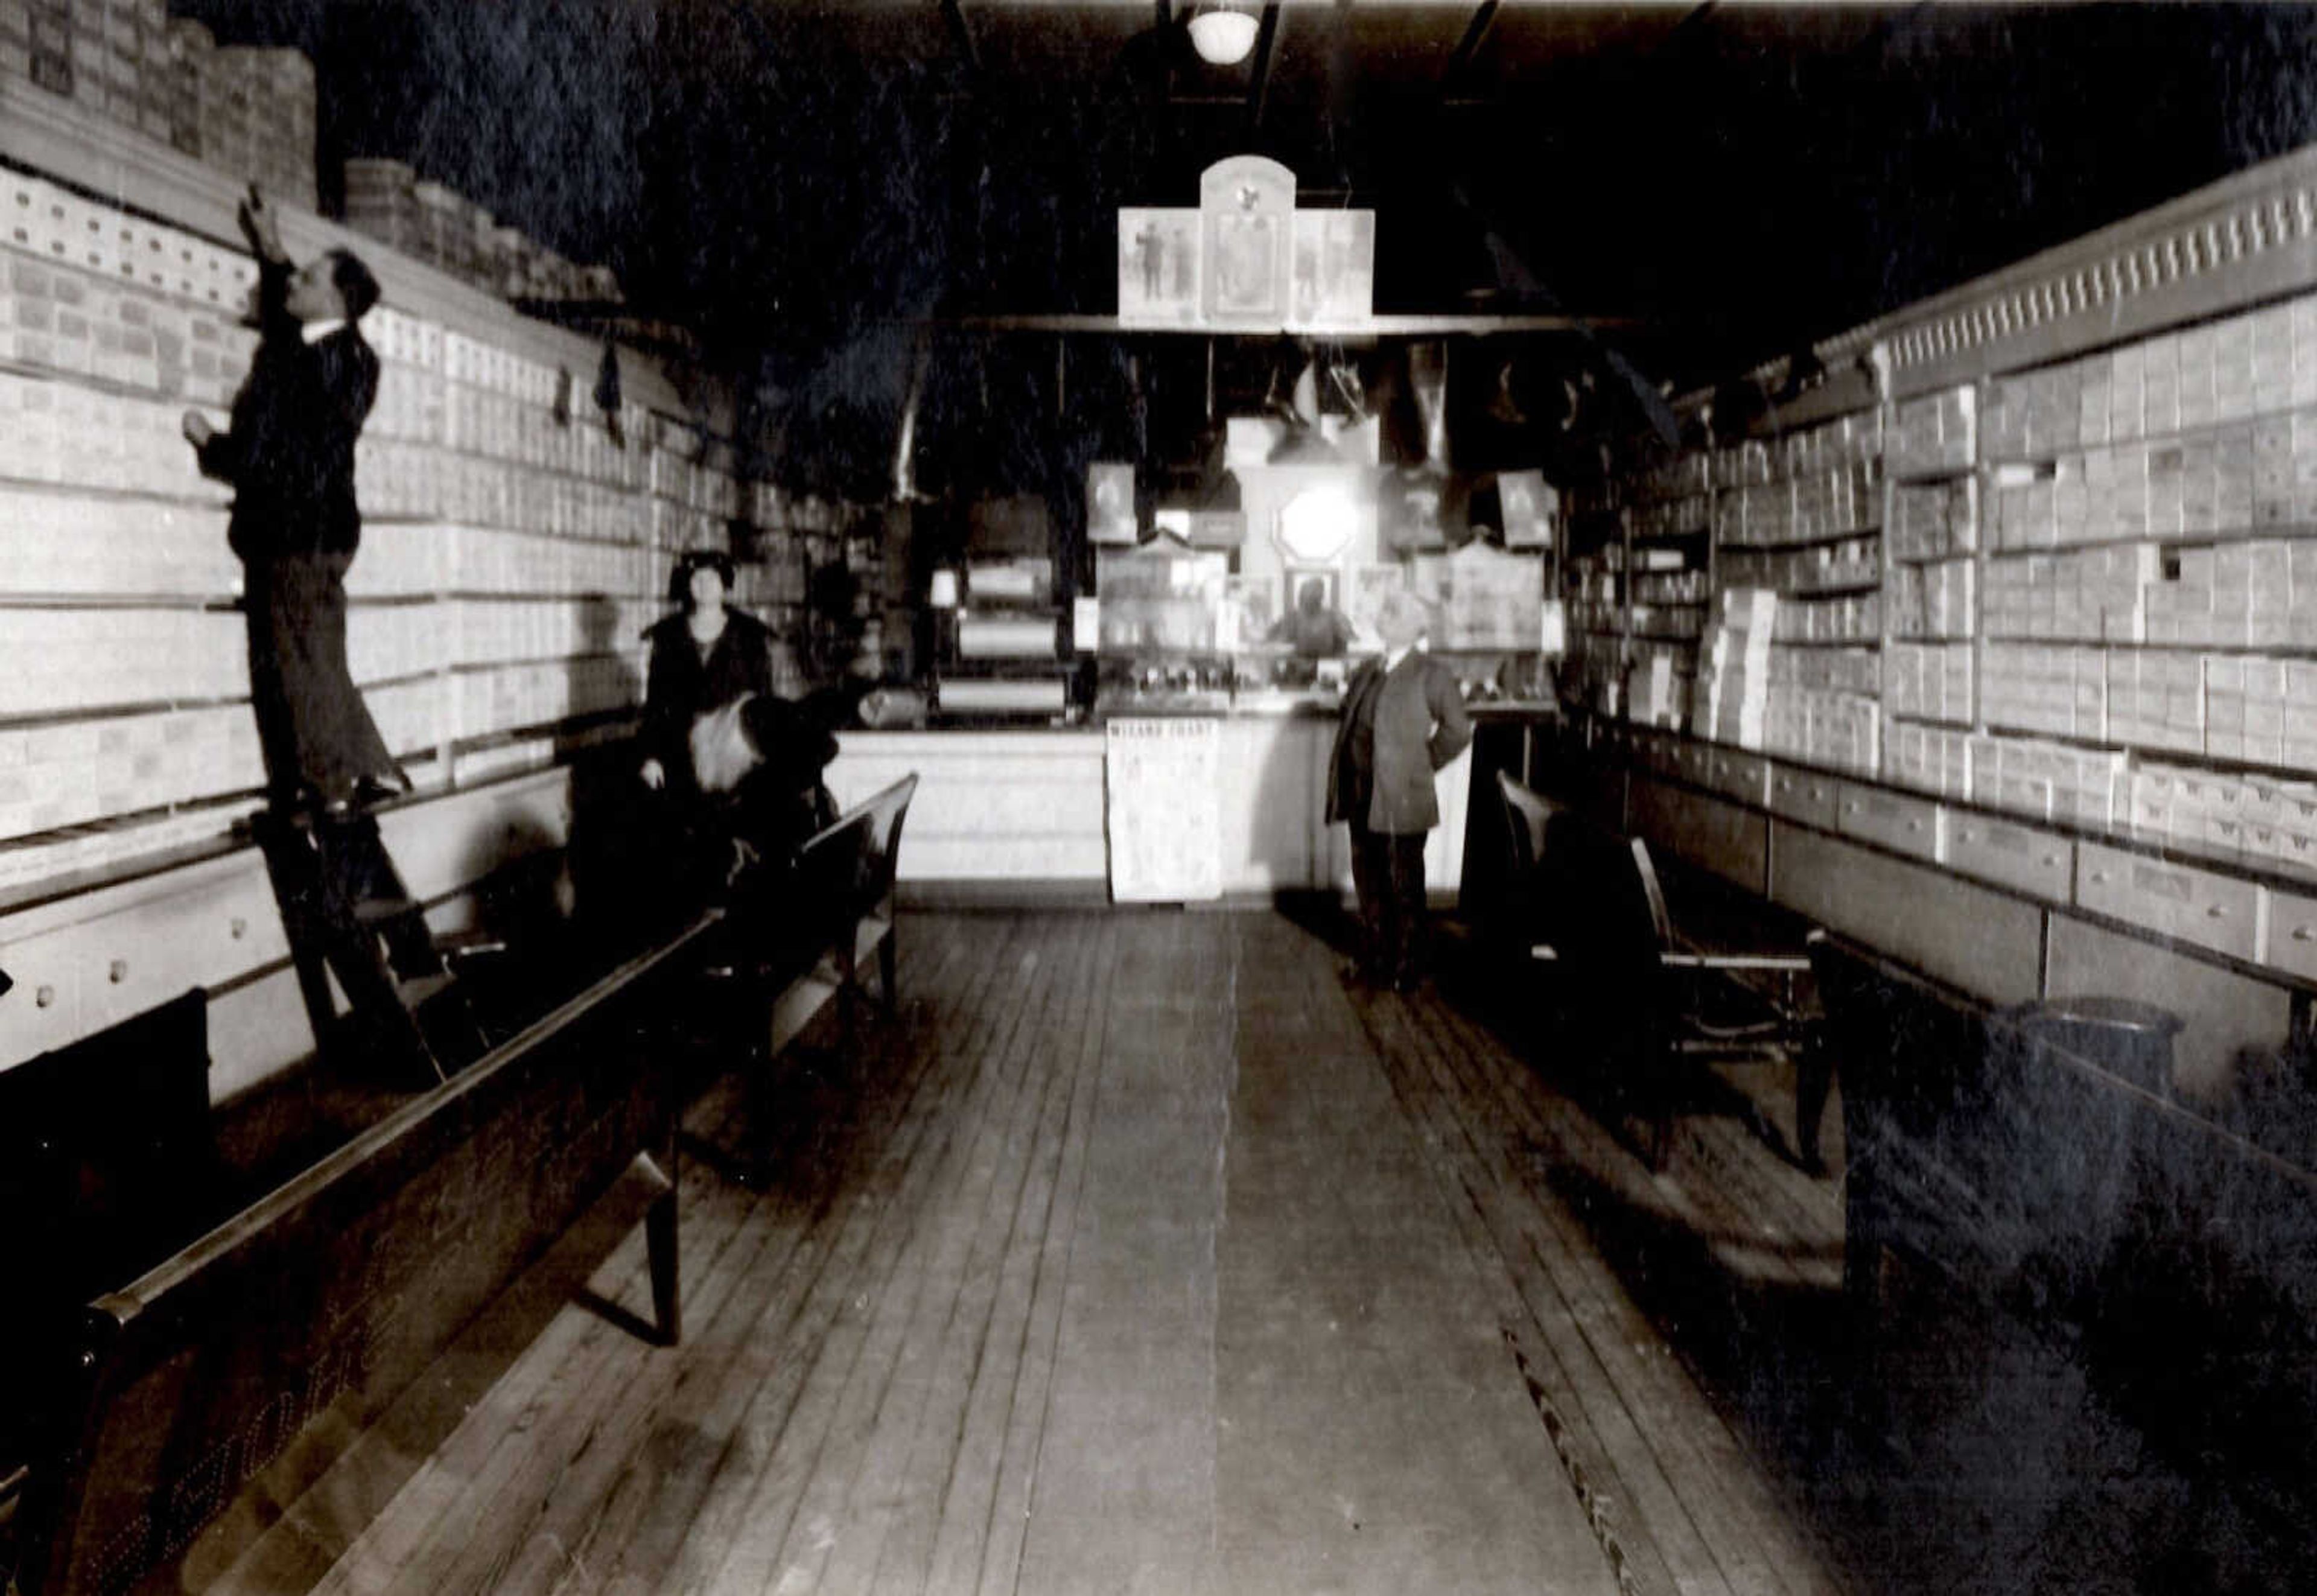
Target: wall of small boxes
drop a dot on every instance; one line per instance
(386, 200)
(514, 550)
(1633, 651)
(246, 111)
(2157, 500)
(2091, 597)
(1802, 517)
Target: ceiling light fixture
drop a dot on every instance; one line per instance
(1222, 35)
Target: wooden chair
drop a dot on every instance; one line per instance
(1593, 907)
(1528, 818)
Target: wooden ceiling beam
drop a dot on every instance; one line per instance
(1266, 48)
(1476, 33)
(961, 34)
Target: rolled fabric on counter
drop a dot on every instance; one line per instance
(1006, 637)
(971, 697)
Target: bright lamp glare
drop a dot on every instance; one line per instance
(1223, 37)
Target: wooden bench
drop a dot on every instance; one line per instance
(335, 1289)
(2166, 1247)
(842, 913)
(108, 1165)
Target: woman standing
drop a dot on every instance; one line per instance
(706, 658)
(703, 658)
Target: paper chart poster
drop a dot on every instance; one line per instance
(1248, 211)
(1164, 815)
(1488, 599)
(1110, 503)
(1250, 610)
(1370, 585)
(1528, 507)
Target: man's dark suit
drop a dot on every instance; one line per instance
(290, 456)
(1397, 727)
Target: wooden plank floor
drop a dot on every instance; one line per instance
(1136, 1254)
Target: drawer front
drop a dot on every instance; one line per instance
(2292, 934)
(2017, 856)
(1901, 824)
(42, 1011)
(2194, 906)
(1987, 942)
(1731, 842)
(205, 937)
(1743, 777)
(1803, 795)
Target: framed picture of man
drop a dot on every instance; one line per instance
(1334, 272)
(1158, 267)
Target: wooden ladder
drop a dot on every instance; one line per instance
(347, 913)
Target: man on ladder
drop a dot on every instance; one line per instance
(290, 456)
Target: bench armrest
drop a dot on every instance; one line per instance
(1787, 964)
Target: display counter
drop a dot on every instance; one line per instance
(1023, 816)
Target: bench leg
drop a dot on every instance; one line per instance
(1814, 1083)
(848, 993)
(1664, 1064)
(660, 1252)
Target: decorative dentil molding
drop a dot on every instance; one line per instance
(2243, 240)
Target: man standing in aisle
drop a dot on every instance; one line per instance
(1402, 719)
(290, 456)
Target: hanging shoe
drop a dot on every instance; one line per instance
(370, 791)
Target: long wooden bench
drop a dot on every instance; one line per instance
(2166, 1244)
(340, 1285)
(108, 1164)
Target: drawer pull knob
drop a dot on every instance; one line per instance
(45, 997)
(1914, 825)
(117, 971)
(1969, 835)
(240, 928)
(2302, 933)
(2051, 861)
(2217, 912)
(2100, 876)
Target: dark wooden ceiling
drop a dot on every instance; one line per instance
(795, 174)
